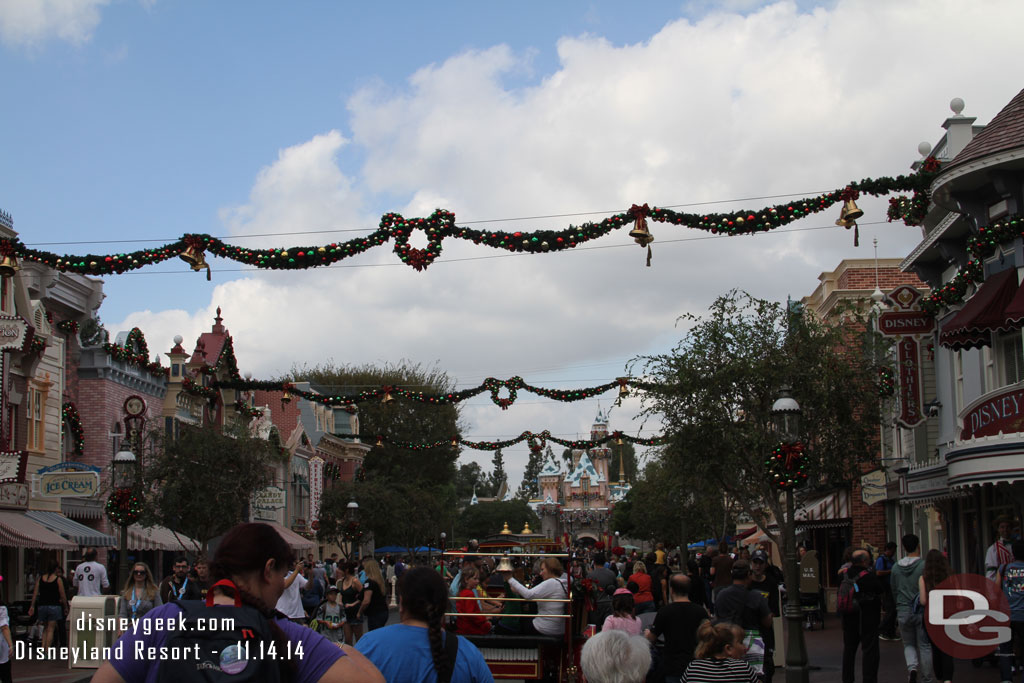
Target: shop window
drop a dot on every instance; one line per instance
(36, 419)
(1010, 351)
(988, 360)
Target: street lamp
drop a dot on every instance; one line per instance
(124, 468)
(352, 525)
(786, 415)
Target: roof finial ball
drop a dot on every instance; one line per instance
(924, 149)
(178, 339)
(957, 105)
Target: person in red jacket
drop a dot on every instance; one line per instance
(471, 625)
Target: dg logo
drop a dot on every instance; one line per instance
(967, 616)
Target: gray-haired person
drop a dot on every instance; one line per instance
(615, 657)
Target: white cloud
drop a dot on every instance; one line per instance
(730, 106)
(29, 22)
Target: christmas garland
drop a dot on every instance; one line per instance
(246, 410)
(441, 224)
(787, 465)
(140, 359)
(492, 385)
(190, 386)
(455, 441)
(352, 532)
(68, 327)
(886, 381)
(70, 416)
(123, 507)
(37, 346)
(979, 247)
(332, 471)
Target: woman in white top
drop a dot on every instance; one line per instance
(553, 585)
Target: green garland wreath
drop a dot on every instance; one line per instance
(123, 506)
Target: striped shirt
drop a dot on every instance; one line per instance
(719, 671)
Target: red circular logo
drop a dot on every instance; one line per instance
(967, 616)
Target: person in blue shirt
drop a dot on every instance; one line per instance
(1011, 578)
(883, 568)
(415, 649)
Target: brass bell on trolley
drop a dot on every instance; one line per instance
(526, 529)
(506, 531)
(504, 564)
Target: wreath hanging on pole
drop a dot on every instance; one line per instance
(787, 465)
(124, 506)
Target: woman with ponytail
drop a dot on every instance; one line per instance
(250, 565)
(719, 656)
(417, 649)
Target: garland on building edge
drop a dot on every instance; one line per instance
(886, 381)
(979, 247)
(246, 410)
(68, 327)
(787, 465)
(492, 385)
(70, 416)
(135, 352)
(37, 346)
(123, 506)
(190, 386)
(441, 224)
(455, 441)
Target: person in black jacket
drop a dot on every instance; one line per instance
(860, 627)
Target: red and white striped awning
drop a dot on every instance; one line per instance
(834, 505)
(157, 538)
(19, 531)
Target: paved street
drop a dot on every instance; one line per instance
(825, 648)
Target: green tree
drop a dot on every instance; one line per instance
(498, 475)
(469, 478)
(528, 487)
(717, 387)
(622, 452)
(201, 483)
(487, 519)
(399, 420)
(405, 496)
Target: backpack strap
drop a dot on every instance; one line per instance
(451, 653)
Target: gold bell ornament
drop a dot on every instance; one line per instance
(9, 266)
(849, 214)
(388, 398)
(195, 257)
(640, 234)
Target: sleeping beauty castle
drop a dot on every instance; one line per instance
(576, 505)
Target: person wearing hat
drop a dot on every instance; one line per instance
(330, 617)
(765, 578)
(999, 552)
(748, 609)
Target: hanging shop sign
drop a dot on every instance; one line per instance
(266, 502)
(873, 487)
(907, 322)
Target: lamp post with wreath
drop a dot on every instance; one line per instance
(124, 504)
(786, 466)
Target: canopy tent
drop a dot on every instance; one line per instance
(18, 530)
(398, 550)
(72, 530)
(298, 543)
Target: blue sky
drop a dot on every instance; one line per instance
(133, 121)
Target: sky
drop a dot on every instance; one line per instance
(128, 123)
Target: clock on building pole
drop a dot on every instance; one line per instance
(134, 422)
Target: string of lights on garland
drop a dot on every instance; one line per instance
(388, 393)
(886, 381)
(68, 327)
(543, 437)
(135, 352)
(124, 506)
(192, 248)
(70, 416)
(787, 465)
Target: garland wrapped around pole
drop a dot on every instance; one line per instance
(441, 224)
